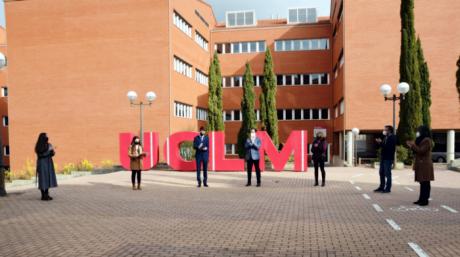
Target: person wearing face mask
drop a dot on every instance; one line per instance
(423, 164)
(319, 150)
(201, 146)
(252, 156)
(136, 155)
(387, 156)
(46, 174)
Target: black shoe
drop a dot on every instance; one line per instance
(49, 198)
(199, 185)
(323, 184)
(418, 202)
(386, 191)
(258, 185)
(206, 185)
(423, 203)
(248, 184)
(316, 184)
(378, 190)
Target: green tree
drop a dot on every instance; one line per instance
(410, 116)
(458, 77)
(247, 110)
(215, 109)
(425, 85)
(267, 100)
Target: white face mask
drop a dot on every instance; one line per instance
(417, 134)
(384, 132)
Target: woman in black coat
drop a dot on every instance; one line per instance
(45, 167)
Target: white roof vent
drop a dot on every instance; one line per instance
(240, 18)
(302, 15)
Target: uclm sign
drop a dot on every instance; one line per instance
(296, 144)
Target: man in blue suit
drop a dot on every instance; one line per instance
(201, 146)
(252, 146)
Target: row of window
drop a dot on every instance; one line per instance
(240, 47)
(240, 18)
(302, 15)
(302, 44)
(201, 78)
(182, 110)
(284, 114)
(182, 67)
(203, 43)
(281, 80)
(181, 24)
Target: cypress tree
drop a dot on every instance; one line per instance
(410, 116)
(425, 85)
(458, 78)
(247, 110)
(267, 99)
(215, 108)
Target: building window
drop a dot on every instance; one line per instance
(232, 115)
(182, 67)
(238, 81)
(341, 59)
(302, 44)
(201, 114)
(4, 91)
(303, 114)
(240, 47)
(342, 107)
(336, 108)
(5, 121)
(240, 18)
(182, 110)
(182, 24)
(230, 149)
(199, 39)
(324, 114)
(6, 150)
(201, 78)
(302, 15)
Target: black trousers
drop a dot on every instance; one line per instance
(319, 163)
(135, 173)
(425, 189)
(254, 163)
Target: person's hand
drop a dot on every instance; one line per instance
(378, 140)
(205, 148)
(410, 143)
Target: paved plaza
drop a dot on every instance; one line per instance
(100, 215)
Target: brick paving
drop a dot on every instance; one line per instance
(100, 215)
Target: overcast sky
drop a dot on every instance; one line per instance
(264, 8)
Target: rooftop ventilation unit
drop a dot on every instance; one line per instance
(240, 19)
(302, 15)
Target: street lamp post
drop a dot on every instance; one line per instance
(385, 89)
(355, 132)
(150, 96)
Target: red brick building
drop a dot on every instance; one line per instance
(69, 76)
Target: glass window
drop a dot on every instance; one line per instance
(306, 114)
(237, 82)
(279, 80)
(306, 79)
(292, 15)
(324, 79)
(245, 47)
(325, 114)
(253, 47)
(296, 79)
(280, 114)
(236, 48)
(261, 46)
(228, 148)
(278, 45)
(289, 114)
(240, 19)
(314, 79)
(315, 114)
(297, 114)
(231, 19)
(288, 45)
(305, 44)
(227, 48)
(261, 80)
(228, 81)
(297, 45)
(228, 115)
(219, 48)
(288, 80)
(236, 115)
(314, 44)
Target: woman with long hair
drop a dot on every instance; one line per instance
(136, 154)
(423, 164)
(45, 167)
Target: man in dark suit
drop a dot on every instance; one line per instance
(201, 146)
(387, 156)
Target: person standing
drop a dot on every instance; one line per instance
(136, 154)
(387, 156)
(45, 167)
(201, 146)
(252, 146)
(319, 150)
(423, 164)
